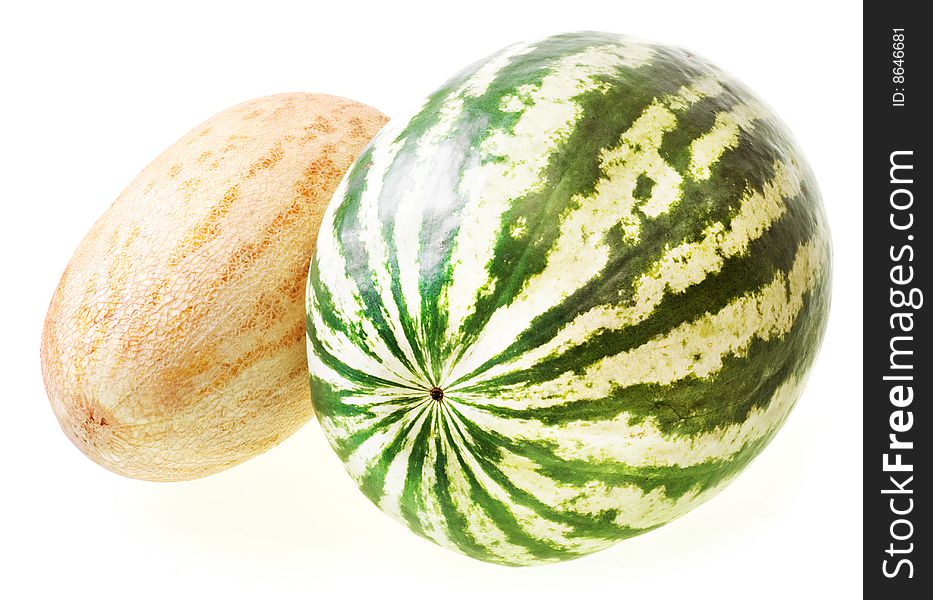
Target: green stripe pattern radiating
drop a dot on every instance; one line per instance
(610, 260)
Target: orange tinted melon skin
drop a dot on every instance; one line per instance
(174, 345)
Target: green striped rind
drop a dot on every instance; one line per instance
(614, 262)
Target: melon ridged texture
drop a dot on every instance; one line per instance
(566, 300)
(174, 344)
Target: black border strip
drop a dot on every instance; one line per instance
(897, 271)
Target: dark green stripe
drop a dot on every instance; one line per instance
(348, 237)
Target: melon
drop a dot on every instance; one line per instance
(174, 344)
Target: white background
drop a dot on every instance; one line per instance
(92, 92)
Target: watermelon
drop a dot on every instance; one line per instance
(567, 299)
